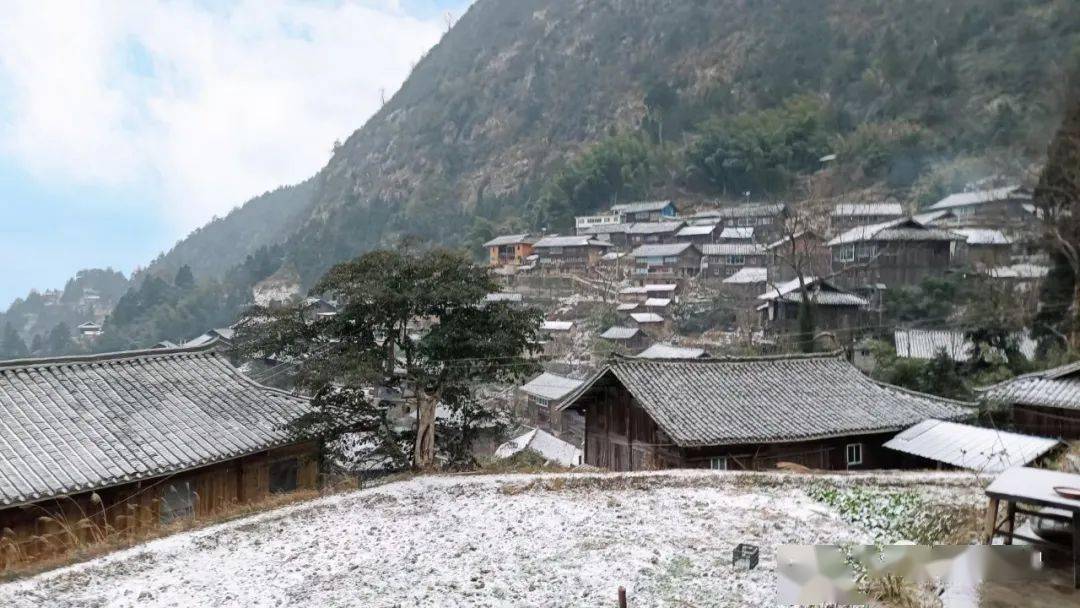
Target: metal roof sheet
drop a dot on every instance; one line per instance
(748, 275)
(983, 236)
(620, 333)
(868, 209)
(509, 239)
(76, 424)
(979, 197)
(702, 402)
(654, 227)
(569, 241)
(669, 351)
(742, 233)
(697, 230)
(714, 249)
(646, 317)
(971, 447)
(639, 206)
(927, 343)
(661, 250)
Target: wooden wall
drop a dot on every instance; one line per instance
(56, 526)
(1046, 421)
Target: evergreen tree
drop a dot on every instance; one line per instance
(60, 341)
(37, 345)
(184, 278)
(11, 344)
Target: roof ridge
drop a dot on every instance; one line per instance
(124, 355)
(834, 354)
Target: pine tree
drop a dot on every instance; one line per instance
(60, 341)
(184, 278)
(11, 344)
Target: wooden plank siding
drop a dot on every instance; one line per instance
(55, 526)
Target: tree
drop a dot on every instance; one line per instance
(1057, 201)
(184, 278)
(410, 324)
(59, 341)
(11, 344)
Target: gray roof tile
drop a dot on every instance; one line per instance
(76, 424)
(771, 399)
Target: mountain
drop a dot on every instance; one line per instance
(529, 112)
(212, 250)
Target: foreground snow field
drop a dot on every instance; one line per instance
(513, 540)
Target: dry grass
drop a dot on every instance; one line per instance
(86, 537)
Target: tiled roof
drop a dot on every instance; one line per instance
(741, 233)
(76, 424)
(703, 402)
(983, 236)
(655, 251)
(508, 239)
(971, 447)
(868, 209)
(822, 292)
(569, 241)
(620, 333)
(668, 351)
(930, 217)
(712, 249)
(604, 229)
(748, 210)
(903, 229)
(748, 275)
(1019, 271)
(978, 197)
(698, 230)
(1058, 388)
(551, 386)
(654, 227)
(927, 343)
(640, 206)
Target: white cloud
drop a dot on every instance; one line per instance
(202, 107)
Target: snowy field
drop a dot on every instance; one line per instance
(513, 540)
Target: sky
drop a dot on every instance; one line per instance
(125, 125)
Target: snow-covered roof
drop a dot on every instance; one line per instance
(660, 288)
(550, 386)
(654, 227)
(509, 239)
(633, 289)
(971, 447)
(627, 306)
(748, 275)
(868, 209)
(927, 343)
(668, 351)
(983, 236)
(646, 317)
(715, 249)
(547, 445)
(739, 233)
(1019, 271)
(639, 206)
(654, 251)
(930, 217)
(821, 292)
(979, 197)
(503, 297)
(697, 230)
(620, 333)
(557, 325)
(746, 210)
(603, 229)
(658, 302)
(902, 229)
(569, 241)
(1058, 387)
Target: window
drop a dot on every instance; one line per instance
(735, 260)
(718, 463)
(283, 475)
(865, 251)
(671, 261)
(177, 502)
(854, 454)
(844, 253)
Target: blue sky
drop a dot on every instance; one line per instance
(125, 125)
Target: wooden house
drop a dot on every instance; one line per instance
(736, 234)
(746, 413)
(1007, 207)
(671, 261)
(510, 249)
(849, 215)
(652, 233)
(805, 249)
(615, 234)
(982, 248)
(1045, 403)
(767, 219)
(834, 308)
(133, 440)
(538, 403)
(569, 252)
(900, 252)
(645, 211)
(721, 260)
(628, 338)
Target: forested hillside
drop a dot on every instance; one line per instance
(531, 111)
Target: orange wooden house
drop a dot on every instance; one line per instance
(509, 249)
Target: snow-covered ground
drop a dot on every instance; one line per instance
(512, 540)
